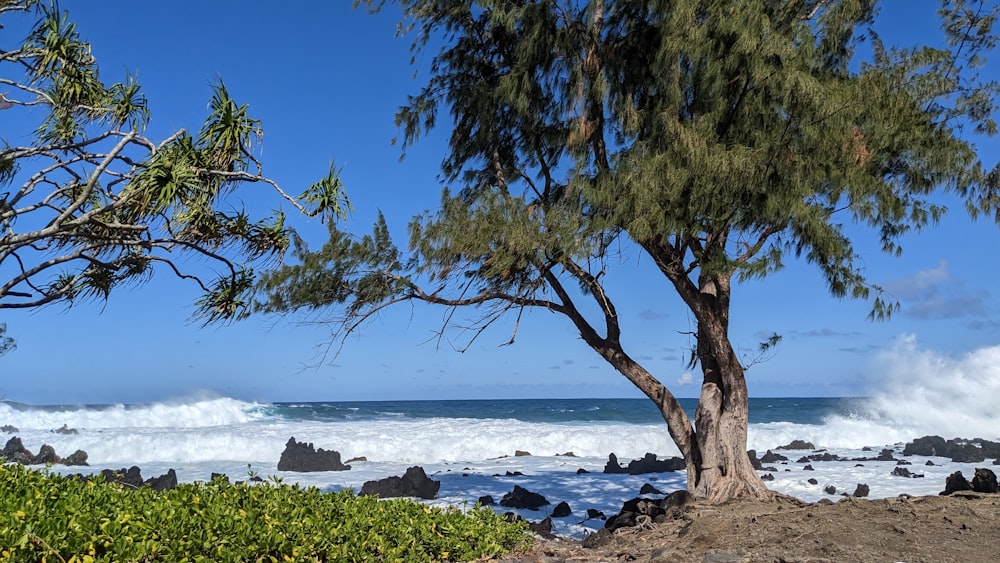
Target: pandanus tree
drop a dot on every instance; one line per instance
(92, 203)
(719, 138)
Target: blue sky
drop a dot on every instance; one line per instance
(326, 80)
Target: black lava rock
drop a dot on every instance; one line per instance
(414, 483)
(561, 510)
(302, 457)
(955, 482)
(984, 481)
(523, 498)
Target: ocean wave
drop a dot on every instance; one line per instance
(921, 393)
(193, 413)
(422, 440)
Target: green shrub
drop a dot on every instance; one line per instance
(44, 516)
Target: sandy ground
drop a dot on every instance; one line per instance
(960, 528)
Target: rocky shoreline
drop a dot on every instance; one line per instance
(648, 506)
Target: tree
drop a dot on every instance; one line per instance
(6, 342)
(94, 204)
(717, 137)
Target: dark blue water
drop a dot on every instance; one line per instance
(632, 411)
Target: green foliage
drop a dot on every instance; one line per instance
(718, 137)
(94, 204)
(327, 197)
(6, 343)
(49, 517)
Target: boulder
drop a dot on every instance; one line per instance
(984, 481)
(967, 453)
(131, 477)
(767, 477)
(523, 498)
(486, 500)
(613, 466)
(861, 491)
(648, 464)
(79, 457)
(797, 445)
(885, 455)
(64, 429)
(904, 472)
(812, 481)
(958, 449)
(9, 428)
(164, 482)
(825, 456)
(631, 512)
(303, 457)
(830, 490)
(47, 455)
(677, 499)
(414, 483)
(621, 520)
(15, 451)
(992, 449)
(927, 446)
(649, 489)
(521, 453)
(771, 457)
(562, 510)
(756, 463)
(642, 510)
(955, 482)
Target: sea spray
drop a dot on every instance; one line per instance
(923, 392)
(194, 413)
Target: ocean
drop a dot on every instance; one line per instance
(470, 445)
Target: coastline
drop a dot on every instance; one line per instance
(581, 483)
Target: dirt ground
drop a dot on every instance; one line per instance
(961, 528)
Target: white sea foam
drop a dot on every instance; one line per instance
(194, 413)
(922, 393)
(411, 441)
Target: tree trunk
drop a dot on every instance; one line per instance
(722, 470)
(715, 446)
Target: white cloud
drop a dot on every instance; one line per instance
(922, 283)
(935, 294)
(686, 379)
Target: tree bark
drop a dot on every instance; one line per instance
(714, 448)
(723, 411)
(718, 467)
